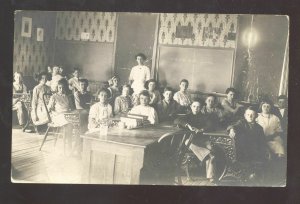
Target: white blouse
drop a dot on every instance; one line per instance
(139, 75)
(97, 113)
(270, 124)
(184, 99)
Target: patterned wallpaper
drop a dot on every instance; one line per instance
(32, 56)
(209, 30)
(100, 25)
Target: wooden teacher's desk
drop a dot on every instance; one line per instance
(119, 157)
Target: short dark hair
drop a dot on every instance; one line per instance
(84, 81)
(198, 101)
(282, 97)
(39, 77)
(104, 85)
(148, 82)
(76, 69)
(231, 89)
(168, 89)
(184, 80)
(104, 90)
(251, 108)
(144, 93)
(211, 95)
(64, 83)
(140, 55)
(129, 87)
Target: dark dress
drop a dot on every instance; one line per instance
(249, 141)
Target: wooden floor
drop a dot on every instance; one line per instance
(29, 165)
(47, 166)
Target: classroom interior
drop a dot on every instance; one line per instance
(212, 51)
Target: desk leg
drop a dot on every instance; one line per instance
(86, 162)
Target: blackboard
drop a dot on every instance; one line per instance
(207, 69)
(135, 34)
(94, 59)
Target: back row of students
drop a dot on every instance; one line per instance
(113, 102)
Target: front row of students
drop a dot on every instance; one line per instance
(254, 135)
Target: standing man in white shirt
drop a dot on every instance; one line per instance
(139, 74)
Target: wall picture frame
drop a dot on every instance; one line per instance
(26, 27)
(40, 34)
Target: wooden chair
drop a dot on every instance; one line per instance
(178, 155)
(185, 160)
(56, 129)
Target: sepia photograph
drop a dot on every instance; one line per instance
(181, 99)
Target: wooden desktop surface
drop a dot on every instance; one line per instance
(135, 137)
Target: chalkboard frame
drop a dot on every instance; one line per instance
(232, 79)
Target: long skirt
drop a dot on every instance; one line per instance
(41, 113)
(58, 119)
(276, 145)
(20, 108)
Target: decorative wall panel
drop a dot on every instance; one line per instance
(32, 56)
(101, 26)
(209, 30)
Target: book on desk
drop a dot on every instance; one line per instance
(132, 121)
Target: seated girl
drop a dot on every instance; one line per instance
(151, 86)
(145, 109)
(114, 89)
(272, 128)
(123, 103)
(168, 107)
(59, 104)
(39, 113)
(183, 97)
(17, 104)
(101, 110)
(231, 107)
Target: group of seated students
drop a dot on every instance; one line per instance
(256, 132)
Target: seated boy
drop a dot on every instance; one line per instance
(200, 145)
(82, 96)
(145, 109)
(83, 100)
(249, 138)
(167, 108)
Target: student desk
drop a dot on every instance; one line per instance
(119, 157)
